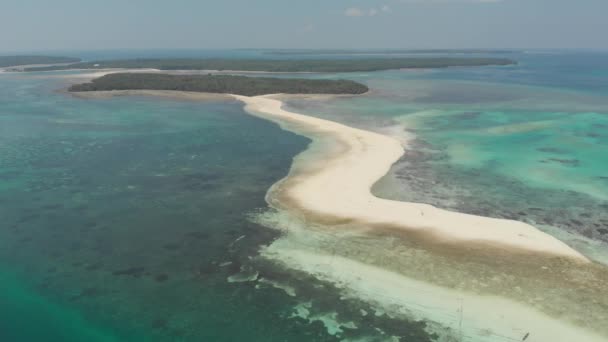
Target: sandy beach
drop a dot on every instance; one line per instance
(20, 68)
(169, 94)
(324, 197)
(340, 189)
(336, 230)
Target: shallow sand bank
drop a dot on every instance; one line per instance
(468, 289)
(339, 189)
(170, 94)
(19, 68)
(471, 278)
(462, 315)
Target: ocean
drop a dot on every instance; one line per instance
(525, 142)
(131, 218)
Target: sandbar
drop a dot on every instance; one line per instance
(332, 190)
(340, 188)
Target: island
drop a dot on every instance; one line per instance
(284, 65)
(12, 61)
(220, 84)
(319, 52)
(329, 188)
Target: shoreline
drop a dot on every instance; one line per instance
(168, 94)
(453, 314)
(506, 288)
(94, 73)
(19, 68)
(340, 190)
(486, 280)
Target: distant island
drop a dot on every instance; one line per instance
(222, 84)
(319, 52)
(11, 61)
(292, 65)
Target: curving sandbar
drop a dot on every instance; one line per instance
(340, 189)
(521, 284)
(488, 280)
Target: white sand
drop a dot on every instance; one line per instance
(170, 94)
(91, 74)
(340, 188)
(463, 316)
(20, 68)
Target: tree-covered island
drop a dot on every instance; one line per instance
(284, 65)
(223, 84)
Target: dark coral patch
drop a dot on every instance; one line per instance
(133, 272)
(160, 324)
(161, 278)
(566, 162)
(197, 235)
(172, 246)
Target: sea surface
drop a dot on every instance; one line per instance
(526, 142)
(129, 219)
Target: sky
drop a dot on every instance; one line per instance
(38, 25)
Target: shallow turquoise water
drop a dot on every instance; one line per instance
(124, 219)
(93, 188)
(526, 142)
(29, 316)
(559, 151)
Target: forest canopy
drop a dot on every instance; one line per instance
(225, 84)
(284, 65)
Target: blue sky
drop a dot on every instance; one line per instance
(103, 24)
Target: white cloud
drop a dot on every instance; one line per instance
(354, 12)
(308, 28)
(448, 1)
(360, 12)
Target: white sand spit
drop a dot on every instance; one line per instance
(340, 188)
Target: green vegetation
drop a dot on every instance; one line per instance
(305, 65)
(296, 52)
(226, 84)
(9, 61)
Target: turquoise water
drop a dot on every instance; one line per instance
(127, 219)
(29, 316)
(554, 150)
(156, 190)
(527, 142)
